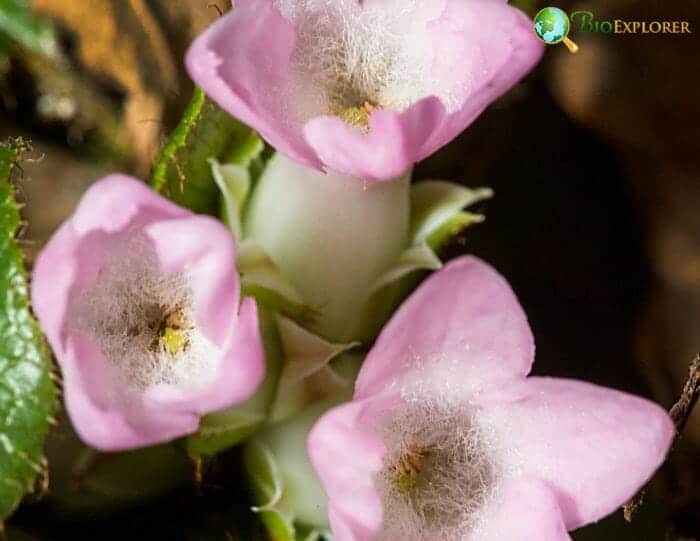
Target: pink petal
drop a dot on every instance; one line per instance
(240, 372)
(345, 527)
(478, 50)
(391, 146)
(242, 63)
(106, 411)
(464, 320)
(118, 201)
(105, 417)
(346, 454)
(494, 46)
(594, 446)
(75, 253)
(204, 247)
(527, 510)
(50, 296)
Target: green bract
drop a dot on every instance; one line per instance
(182, 171)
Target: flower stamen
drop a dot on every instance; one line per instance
(407, 469)
(173, 337)
(438, 472)
(358, 116)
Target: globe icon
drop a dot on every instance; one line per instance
(551, 25)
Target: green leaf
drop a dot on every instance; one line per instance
(18, 25)
(27, 394)
(86, 481)
(182, 171)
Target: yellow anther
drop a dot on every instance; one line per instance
(407, 469)
(174, 340)
(358, 116)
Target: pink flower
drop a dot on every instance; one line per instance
(139, 299)
(365, 88)
(446, 439)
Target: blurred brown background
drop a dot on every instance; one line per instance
(594, 159)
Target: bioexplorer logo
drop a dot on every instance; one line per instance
(552, 25)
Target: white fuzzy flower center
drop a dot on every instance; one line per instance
(142, 320)
(438, 473)
(348, 61)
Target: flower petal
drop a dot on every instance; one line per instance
(594, 446)
(106, 418)
(240, 372)
(346, 528)
(242, 63)
(110, 405)
(390, 147)
(205, 248)
(243, 366)
(53, 275)
(346, 454)
(75, 253)
(126, 201)
(494, 46)
(473, 52)
(527, 510)
(465, 320)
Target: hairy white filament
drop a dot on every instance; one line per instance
(130, 309)
(346, 56)
(439, 473)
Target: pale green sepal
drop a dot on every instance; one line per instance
(224, 429)
(393, 286)
(415, 258)
(278, 526)
(453, 227)
(257, 268)
(331, 235)
(303, 502)
(264, 475)
(262, 279)
(435, 202)
(306, 375)
(234, 182)
(305, 353)
(316, 535)
(266, 482)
